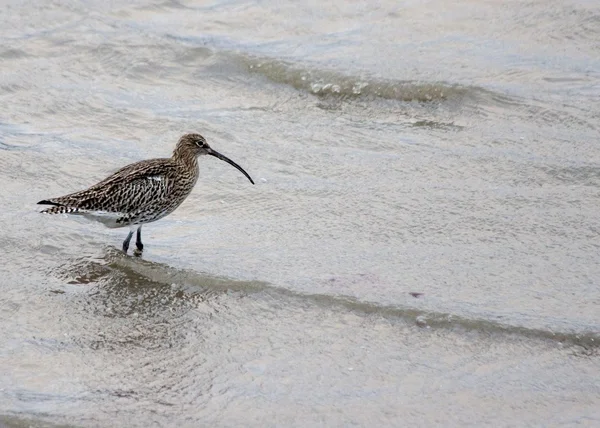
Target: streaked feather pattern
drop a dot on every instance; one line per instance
(142, 192)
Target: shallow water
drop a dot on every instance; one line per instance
(420, 247)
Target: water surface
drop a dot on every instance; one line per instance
(421, 246)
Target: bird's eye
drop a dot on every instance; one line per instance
(200, 143)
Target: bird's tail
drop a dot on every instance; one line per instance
(57, 207)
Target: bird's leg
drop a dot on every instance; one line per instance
(138, 242)
(126, 241)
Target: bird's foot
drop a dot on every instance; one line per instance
(139, 249)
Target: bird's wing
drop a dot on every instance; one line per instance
(133, 186)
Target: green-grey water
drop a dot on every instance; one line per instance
(421, 247)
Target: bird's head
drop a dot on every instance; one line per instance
(194, 145)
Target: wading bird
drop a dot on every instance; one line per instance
(142, 192)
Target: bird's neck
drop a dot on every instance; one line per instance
(185, 158)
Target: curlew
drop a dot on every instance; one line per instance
(142, 192)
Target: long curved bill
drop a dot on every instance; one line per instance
(230, 162)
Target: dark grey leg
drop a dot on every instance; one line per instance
(138, 240)
(126, 242)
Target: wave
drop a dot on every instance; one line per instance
(224, 54)
(324, 83)
(168, 284)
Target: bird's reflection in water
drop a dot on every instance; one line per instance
(134, 302)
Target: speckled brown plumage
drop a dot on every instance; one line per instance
(142, 192)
